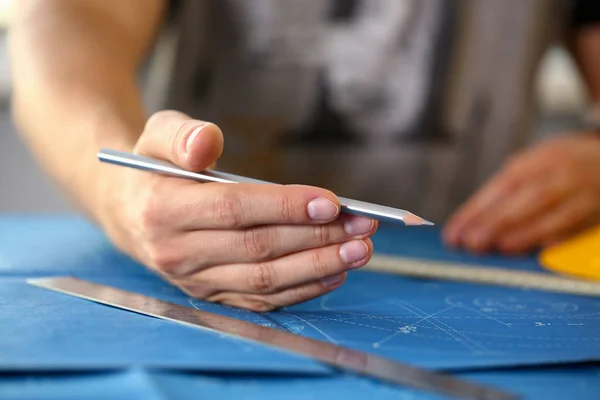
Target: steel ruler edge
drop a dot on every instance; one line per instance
(472, 273)
(342, 358)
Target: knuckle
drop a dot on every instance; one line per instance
(261, 278)
(164, 259)
(319, 264)
(285, 207)
(259, 243)
(323, 234)
(154, 120)
(149, 213)
(226, 209)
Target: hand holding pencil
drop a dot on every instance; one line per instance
(249, 245)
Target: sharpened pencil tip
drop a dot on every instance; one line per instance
(414, 220)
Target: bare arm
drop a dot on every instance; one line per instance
(75, 64)
(246, 245)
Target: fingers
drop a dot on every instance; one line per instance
(193, 206)
(536, 182)
(283, 273)
(500, 202)
(562, 220)
(490, 196)
(194, 251)
(270, 302)
(520, 208)
(191, 144)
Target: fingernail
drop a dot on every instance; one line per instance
(190, 140)
(358, 226)
(332, 280)
(353, 251)
(322, 209)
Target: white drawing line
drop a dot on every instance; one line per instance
(484, 314)
(475, 346)
(420, 314)
(391, 319)
(534, 338)
(385, 339)
(346, 321)
(393, 335)
(466, 341)
(354, 314)
(527, 318)
(359, 315)
(582, 326)
(432, 315)
(325, 334)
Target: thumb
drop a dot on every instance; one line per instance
(191, 144)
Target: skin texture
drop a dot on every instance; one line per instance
(75, 66)
(245, 245)
(544, 194)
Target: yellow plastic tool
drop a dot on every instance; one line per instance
(578, 257)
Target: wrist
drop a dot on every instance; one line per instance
(108, 187)
(100, 184)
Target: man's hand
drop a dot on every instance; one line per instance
(541, 196)
(254, 246)
(76, 90)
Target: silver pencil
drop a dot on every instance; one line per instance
(349, 206)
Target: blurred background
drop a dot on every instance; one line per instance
(24, 187)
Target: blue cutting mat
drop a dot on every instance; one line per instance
(548, 384)
(435, 324)
(578, 383)
(39, 245)
(449, 325)
(46, 331)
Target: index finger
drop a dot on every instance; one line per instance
(227, 206)
(494, 192)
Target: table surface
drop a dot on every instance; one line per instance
(539, 345)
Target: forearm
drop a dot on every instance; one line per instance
(75, 65)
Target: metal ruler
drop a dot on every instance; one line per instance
(339, 357)
(421, 268)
